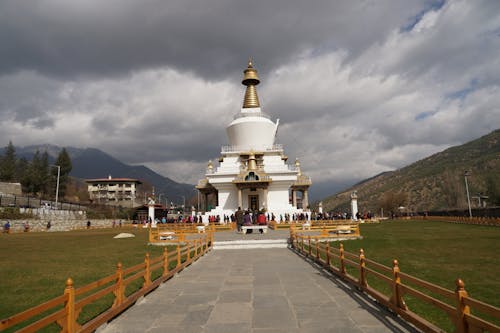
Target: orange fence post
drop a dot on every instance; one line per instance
(341, 258)
(362, 269)
(120, 290)
(70, 307)
(317, 248)
(327, 254)
(147, 272)
(302, 243)
(397, 298)
(462, 309)
(178, 254)
(196, 248)
(309, 242)
(165, 261)
(188, 244)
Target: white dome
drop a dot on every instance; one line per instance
(252, 132)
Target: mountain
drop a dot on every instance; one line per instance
(434, 183)
(91, 163)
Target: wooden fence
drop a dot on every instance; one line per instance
(463, 311)
(64, 310)
(490, 221)
(314, 224)
(327, 231)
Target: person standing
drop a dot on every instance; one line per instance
(239, 218)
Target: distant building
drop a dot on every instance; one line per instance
(114, 191)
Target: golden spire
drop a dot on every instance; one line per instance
(250, 79)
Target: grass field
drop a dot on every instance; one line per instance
(35, 266)
(437, 252)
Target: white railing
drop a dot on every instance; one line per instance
(234, 149)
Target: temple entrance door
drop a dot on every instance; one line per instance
(253, 202)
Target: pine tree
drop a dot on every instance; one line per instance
(64, 162)
(34, 174)
(23, 174)
(44, 174)
(8, 164)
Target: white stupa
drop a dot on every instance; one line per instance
(253, 172)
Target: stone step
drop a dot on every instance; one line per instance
(251, 244)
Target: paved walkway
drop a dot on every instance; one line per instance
(257, 290)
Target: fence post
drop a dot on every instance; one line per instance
(120, 290)
(341, 257)
(309, 242)
(178, 254)
(147, 273)
(165, 261)
(397, 298)
(327, 254)
(302, 243)
(362, 269)
(70, 307)
(188, 244)
(462, 308)
(317, 249)
(195, 248)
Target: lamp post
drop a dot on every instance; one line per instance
(183, 203)
(57, 185)
(466, 173)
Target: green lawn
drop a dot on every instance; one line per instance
(35, 265)
(437, 252)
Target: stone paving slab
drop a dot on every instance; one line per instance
(258, 290)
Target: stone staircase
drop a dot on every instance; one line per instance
(250, 244)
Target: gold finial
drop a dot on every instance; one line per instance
(250, 79)
(210, 165)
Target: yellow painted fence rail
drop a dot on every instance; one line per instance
(466, 314)
(64, 310)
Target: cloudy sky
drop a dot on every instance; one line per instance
(360, 87)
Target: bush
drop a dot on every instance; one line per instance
(13, 213)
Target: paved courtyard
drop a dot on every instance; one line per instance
(255, 290)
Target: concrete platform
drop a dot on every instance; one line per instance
(255, 290)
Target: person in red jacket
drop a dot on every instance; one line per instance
(261, 219)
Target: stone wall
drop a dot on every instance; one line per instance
(60, 220)
(10, 188)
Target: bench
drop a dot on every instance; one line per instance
(244, 228)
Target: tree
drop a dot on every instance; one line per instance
(64, 162)
(34, 173)
(391, 201)
(8, 164)
(493, 190)
(23, 168)
(452, 189)
(44, 174)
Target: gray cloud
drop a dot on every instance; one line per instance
(360, 88)
(67, 38)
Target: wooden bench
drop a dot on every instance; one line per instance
(244, 228)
